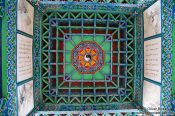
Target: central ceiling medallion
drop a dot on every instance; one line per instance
(87, 57)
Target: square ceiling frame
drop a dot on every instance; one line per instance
(11, 103)
(72, 15)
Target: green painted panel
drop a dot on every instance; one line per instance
(98, 76)
(106, 69)
(76, 76)
(107, 57)
(106, 46)
(87, 76)
(88, 38)
(68, 57)
(76, 39)
(69, 68)
(99, 39)
(69, 45)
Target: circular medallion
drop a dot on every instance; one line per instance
(87, 57)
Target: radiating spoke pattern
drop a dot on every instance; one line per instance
(87, 57)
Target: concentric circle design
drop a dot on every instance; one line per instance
(87, 57)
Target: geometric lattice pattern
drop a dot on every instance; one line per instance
(115, 32)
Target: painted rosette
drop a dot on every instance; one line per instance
(87, 57)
